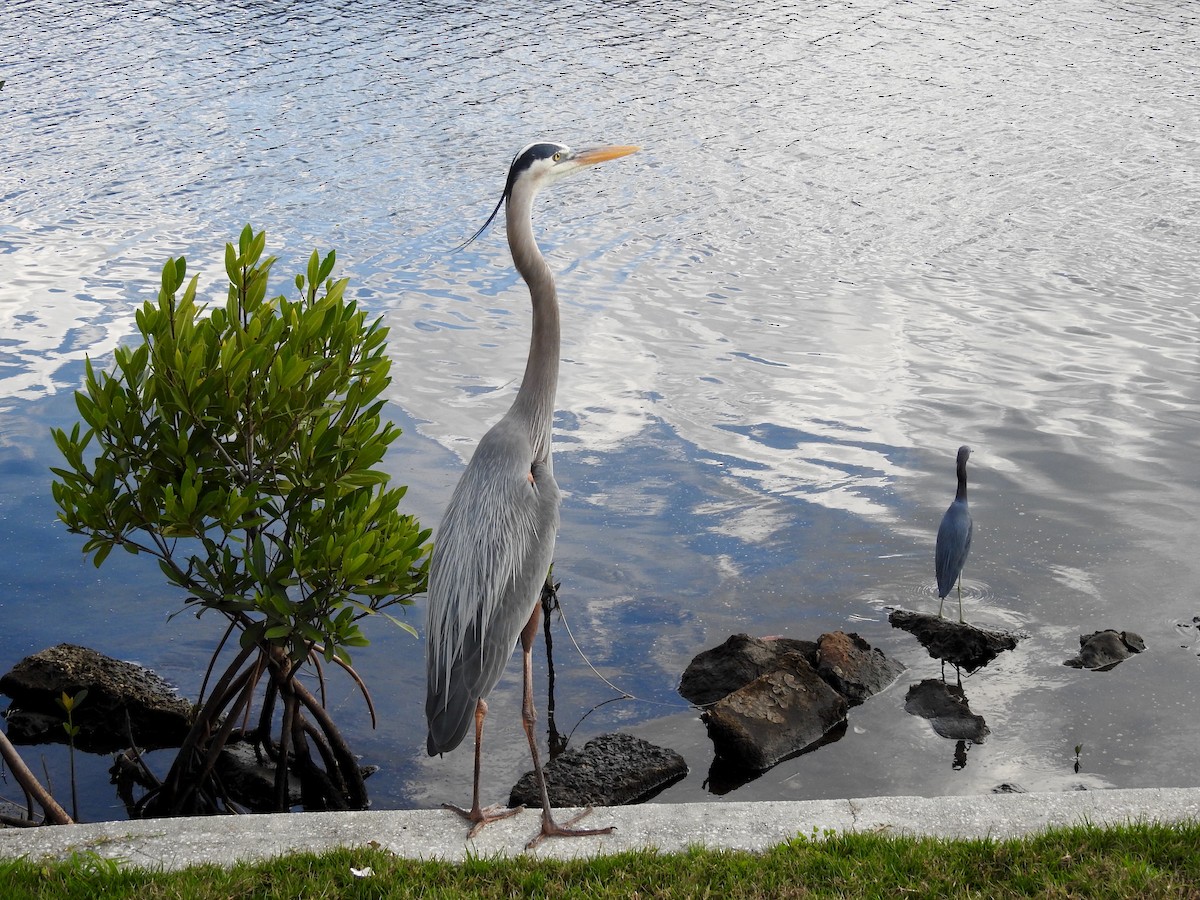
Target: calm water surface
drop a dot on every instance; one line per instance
(859, 235)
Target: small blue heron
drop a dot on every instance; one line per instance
(954, 539)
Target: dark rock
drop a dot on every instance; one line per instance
(609, 770)
(718, 672)
(725, 776)
(249, 777)
(847, 663)
(768, 699)
(1009, 787)
(946, 708)
(123, 698)
(854, 668)
(1133, 641)
(775, 716)
(963, 645)
(1101, 650)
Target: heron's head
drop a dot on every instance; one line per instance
(545, 162)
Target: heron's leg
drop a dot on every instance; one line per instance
(550, 828)
(477, 815)
(941, 603)
(961, 620)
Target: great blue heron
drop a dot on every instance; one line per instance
(494, 547)
(954, 538)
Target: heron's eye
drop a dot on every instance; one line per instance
(558, 156)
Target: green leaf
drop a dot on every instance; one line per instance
(232, 269)
(101, 555)
(326, 265)
(400, 624)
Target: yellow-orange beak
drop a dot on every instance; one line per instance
(592, 155)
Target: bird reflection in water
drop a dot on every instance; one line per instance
(960, 756)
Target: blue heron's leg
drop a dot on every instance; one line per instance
(941, 603)
(961, 620)
(550, 828)
(476, 814)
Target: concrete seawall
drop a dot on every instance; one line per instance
(438, 834)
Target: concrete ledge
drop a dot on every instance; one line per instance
(438, 834)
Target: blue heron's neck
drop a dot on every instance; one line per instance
(535, 398)
(960, 496)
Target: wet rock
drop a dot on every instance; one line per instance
(1101, 650)
(123, 699)
(964, 645)
(850, 665)
(946, 708)
(726, 776)
(854, 668)
(249, 777)
(718, 672)
(609, 770)
(768, 699)
(775, 716)
(1009, 787)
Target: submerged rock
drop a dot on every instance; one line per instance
(125, 703)
(249, 777)
(609, 770)
(946, 708)
(775, 716)
(1009, 787)
(1101, 650)
(964, 645)
(725, 776)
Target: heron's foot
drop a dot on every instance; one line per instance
(480, 817)
(550, 828)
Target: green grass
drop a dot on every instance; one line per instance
(1132, 861)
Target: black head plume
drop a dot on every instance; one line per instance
(525, 158)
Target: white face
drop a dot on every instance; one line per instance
(550, 162)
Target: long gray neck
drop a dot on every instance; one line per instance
(535, 399)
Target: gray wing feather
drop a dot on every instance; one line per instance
(490, 559)
(953, 545)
